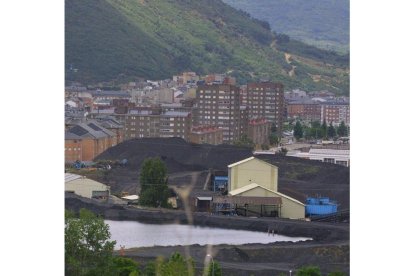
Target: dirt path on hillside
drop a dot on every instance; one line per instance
(292, 71)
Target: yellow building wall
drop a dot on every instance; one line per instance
(258, 192)
(84, 187)
(289, 209)
(253, 171)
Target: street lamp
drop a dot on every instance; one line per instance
(290, 272)
(212, 260)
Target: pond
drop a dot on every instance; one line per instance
(135, 234)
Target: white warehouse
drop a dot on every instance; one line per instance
(334, 156)
(85, 187)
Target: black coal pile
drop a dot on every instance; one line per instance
(177, 154)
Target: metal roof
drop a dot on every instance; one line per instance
(70, 177)
(204, 198)
(72, 136)
(111, 93)
(329, 151)
(240, 162)
(249, 159)
(244, 189)
(255, 185)
(131, 197)
(89, 129)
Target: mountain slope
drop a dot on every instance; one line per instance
(110, 39)
(322, 23)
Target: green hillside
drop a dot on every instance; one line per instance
(322, 23)
(112, 39)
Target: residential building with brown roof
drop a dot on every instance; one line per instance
(206, 135)
(258, 130)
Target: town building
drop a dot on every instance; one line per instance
(149, 123)
(258, 130)
(206, 135)
(112, 111)
(110, 123)
(214, 78)
(304, 109)
(110, 95)
(219, 105)
(87, 140)
(186, 77)
(335, 113)
(244, 120)
(266, 99)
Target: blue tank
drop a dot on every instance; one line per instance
(320, 206)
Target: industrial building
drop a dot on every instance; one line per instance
(253, 187)
(334, 156)
(85, 187)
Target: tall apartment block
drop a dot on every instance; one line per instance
(266, 99)
(219, 105)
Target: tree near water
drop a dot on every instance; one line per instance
(153, 180)
(88, 250)
(309, 271)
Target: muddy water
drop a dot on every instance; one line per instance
(135, 234)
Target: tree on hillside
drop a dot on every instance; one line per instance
(153, 180)
(309, 271)
(331, 131)
(298, 130)
(342, 129)
(88, 250)
(324, 129)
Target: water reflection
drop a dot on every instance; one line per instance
(135, 234)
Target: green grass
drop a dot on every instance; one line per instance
(321, 23)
